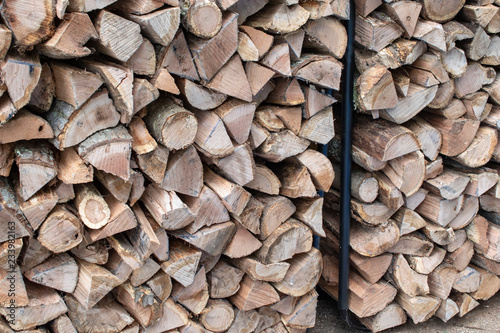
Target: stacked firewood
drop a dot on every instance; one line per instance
(425, 238)
(158, 163)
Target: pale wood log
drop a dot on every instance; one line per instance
(447, 310)
(224, 280)
(287, 92)
(183, 262)
(242, 244)
(13, 291)
(309, 212)
(72, 168)
(95, 150)
(6, 159)
(11, 215)
(126, 250)
(310, 65)
(480, 150)
(246, 48)
(21, 76)
(7, 109)
(70, 37)
(34, 254)
(467, 281)
(460, 258)
(73, 85)
(176, 58)
(234, 197)
(296, 181)
(276, 210)
(428, 137)
(170, 124)
(376, 81)
(92, 209)
(9, 252)
(38, 206)
(212, 138)
(254, 294)
(319, 128)
(365, 299)
(315, 101)
(493, 26)
(476, 105)
(202, 18)
(212, 240)
(392, 316)
(426, 265)
(438, 234)
(60, 231)
(95, 252)
(464, 302)
(264, 181)
(6, 39)
(245, 321)
(439, 210)
(376, 31)
(260, 39)
(431, 33)
(62, 324)
(402, 83)
(389, 195)
(413, 201)
(258, 78)
(460, 238)
(405, 14)
(45, 304)
(97, 318)
(204, 49)
(161, 285)
(143, 142)
(119, 188)
(59, 272)
(367, 241)
(87, 5)
(444, 96)
(167, 208)
(473, 79)
(432, 11)
(477, 47)
(477, 232)
(407, 172)
(154, 164)
(441, 280)
(184, 172)
(117, 266)
(43, 94)
(414, 244)
(137, 181)
(139, 302)
(493, 119)
(489, 285)
(493, 90)
(121, 219)
(275, 118)
(209, 208)
(408, 220)
(453, 110)
(432, 63)
(419, 308)
(237, 117)
(364, 7)
(250, 217)
(317, 39)
(488, 264)
(364, 186)
(456, 31)
(163, 80)
(392, 141)
(200, 97)
(405, 279)
(304, 315)
(277, 18)
(278, 59)
(449, 184)
(72, 126)
(94, 282)
(457, 134)
(139, 7)
(232, 80)
(143, 94)
(159, 26)
(26, 32)
(217, 316)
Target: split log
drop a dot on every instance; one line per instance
(38, 206)
(419, 308)
(224, 280)
(489, 285)
(273, 272)
(447, 310)
(464, 302)
(473, 79)
(414, 244)
(254, 294)
(203, 49)
(176, 58)
(211, 138)
(42, 300)
(70, 37)
(209, 208)
(392, 316)
(467, 281)
(152, 27)
(376, 81)
(480, 150)
(184, 173)
(237, 117)
(426, 265)
(408, 281)
(441, 280)
(242, 236)
(431, 33)
(376, 31)
(183, 263)
(264, 181)
(232, 80)
(408, 221)
(389, 195)
(59, 272)
(212, 240)
(432, 11)
(460, 258)
(310, 65)
(449, 184)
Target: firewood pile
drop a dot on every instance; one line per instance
(158, 163)
(425, 237)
